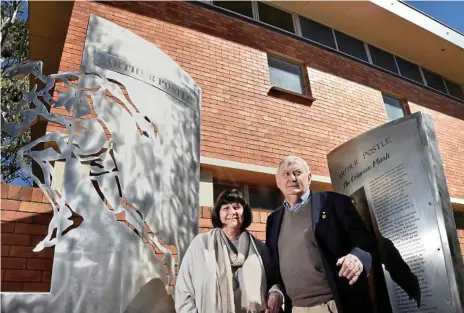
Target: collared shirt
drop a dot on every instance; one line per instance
(299, 203)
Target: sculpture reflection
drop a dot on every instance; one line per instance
(389, 256)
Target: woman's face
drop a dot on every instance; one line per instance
(231, 215)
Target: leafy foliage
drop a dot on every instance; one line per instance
(14, 49)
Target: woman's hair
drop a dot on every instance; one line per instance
(231, 196)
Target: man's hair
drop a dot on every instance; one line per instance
(231, 196)
(291, 159)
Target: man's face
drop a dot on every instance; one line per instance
(293, 179)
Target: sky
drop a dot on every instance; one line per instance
(450, 13)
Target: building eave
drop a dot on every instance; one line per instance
(392, 26)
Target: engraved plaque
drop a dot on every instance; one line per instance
(396, 181)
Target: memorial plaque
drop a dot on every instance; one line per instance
(395, 178)
(129, 143)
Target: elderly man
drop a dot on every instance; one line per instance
(320, 246)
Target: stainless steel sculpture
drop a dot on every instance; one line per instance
(395, 177)
(148, 168)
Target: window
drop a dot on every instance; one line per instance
(241, 7)
(409, 70)
(275, 17)
(351, 46)
(317, 32)
(286, 75)
(434, 80)
(219, 187)
(455, 89)
(383, 59)
(394, 107)
(262, 197)
(306, 28)
(459, 219)
(258, 197)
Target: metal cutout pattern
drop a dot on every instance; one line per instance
(148, 169)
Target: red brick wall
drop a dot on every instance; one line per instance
(227, 58)
(25, 214)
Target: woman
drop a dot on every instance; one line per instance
(226, 269)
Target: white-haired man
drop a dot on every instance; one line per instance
(320, 246)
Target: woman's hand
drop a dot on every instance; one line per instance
(274, 302)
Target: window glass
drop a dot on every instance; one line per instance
(263, 197)
(394, 107)
(240, 7)
(383, 59)
(351, 46)
(409, 70)
(317, 32)
(286, 75)
(275, 17)
(454, 89)
(219, 187)
(459, 218)
(257, 196)
(434, 80)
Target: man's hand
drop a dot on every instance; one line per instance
(351, 267)
(274, 302)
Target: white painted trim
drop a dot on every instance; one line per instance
(397, 66)
(444, 84)
(253, 168)
(321, 179)
(423, 76)
(368, 53)
(296, 24)
(335, 39)
(254, 7)
(457, 201)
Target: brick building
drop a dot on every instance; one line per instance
(277, 78)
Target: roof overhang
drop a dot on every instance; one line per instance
(48, 26)
(392, 26)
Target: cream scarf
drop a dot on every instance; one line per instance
(252, 278)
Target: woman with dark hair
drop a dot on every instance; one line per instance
(225, 270)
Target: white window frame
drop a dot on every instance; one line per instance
(297, 25)
(335, 39)
(397, 66)
(254, 6)
(423, 76)
(444, 84)
(368, 53)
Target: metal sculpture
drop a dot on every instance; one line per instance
(129, 142)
